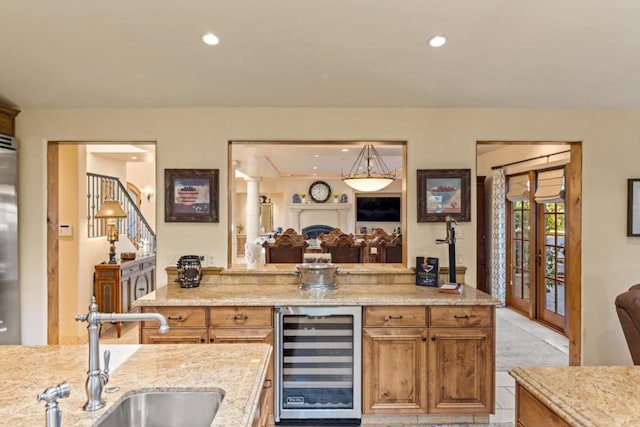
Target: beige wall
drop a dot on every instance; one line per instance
(143, 176)
(437, 138)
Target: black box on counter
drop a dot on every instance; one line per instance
(427, 271)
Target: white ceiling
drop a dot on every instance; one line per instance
(303, 160)
(320, 53)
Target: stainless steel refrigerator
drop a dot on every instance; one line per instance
(9, 285)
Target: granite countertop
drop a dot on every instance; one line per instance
(237, 369)
(586, 396)
(274, 295)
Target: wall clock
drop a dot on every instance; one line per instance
(319, 191)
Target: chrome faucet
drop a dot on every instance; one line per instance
(51, 396)
(96, 379)
(451, 241)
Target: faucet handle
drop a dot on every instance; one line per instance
(53, 393)
(81, 317)
(107, 358)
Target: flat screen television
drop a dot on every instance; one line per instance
(378, 209)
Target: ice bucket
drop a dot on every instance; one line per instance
(317, 275)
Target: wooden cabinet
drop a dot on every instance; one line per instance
(187, 325)
(265, 405)
(116, 286)
(531, 412)
(245, 324)
(394, 360)
(221, 325)
(461, 359)
(241, 325)
(7, 121)
(436, 360)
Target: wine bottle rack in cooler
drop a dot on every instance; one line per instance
(318, 353)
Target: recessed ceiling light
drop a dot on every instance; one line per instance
(315, 168)
(210, 39)
(344, 150)
(437, 41)
(316, 155)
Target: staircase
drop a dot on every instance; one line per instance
(138, 230)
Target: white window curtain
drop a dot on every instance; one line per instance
(498, 240)
(518, 188)
(550, 188)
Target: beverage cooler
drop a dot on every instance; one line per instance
(318, 356)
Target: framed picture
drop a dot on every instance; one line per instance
(191, 195)
(443, 192)
(633, 207)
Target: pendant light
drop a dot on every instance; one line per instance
(369, 172)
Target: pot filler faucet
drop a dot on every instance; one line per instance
(451, 241)
(96, 380)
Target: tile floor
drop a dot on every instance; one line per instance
(505, 385)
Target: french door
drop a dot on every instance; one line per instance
(550, 260)
(536, 259)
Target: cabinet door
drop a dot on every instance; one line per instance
(394, 366)
(531, 412)
(461, 370)
(179, 336)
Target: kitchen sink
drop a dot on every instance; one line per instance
(164, 409)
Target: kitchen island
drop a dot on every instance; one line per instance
(448, 340)
(238, 370)
(578, 396)
(276, 294)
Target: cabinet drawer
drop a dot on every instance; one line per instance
(240, 317)
(182, 336)
(178, 317)
(460, 316)
(395, 316)
(532, 413)
(236, 335)
(128, 270)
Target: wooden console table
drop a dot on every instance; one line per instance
(116, 286)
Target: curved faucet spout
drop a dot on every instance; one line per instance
(97, 379)
(135, 317)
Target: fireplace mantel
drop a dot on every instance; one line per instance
(341, 208)
(298, 207)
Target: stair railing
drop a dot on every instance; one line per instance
(138, 230)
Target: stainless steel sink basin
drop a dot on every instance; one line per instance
(164, 409)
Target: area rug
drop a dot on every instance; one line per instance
(517, 347)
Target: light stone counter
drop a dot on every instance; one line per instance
(290, 295)
(237, 369)
(586, 396)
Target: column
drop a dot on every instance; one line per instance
(253, 208)
(235, 164)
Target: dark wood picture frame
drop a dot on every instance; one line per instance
(191, 195)
(633, 207)
(443, 192)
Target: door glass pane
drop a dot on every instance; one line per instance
(554, 258)
(550, 295)
(526, 287)
(517, 282)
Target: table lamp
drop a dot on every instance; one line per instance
(111, 210)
